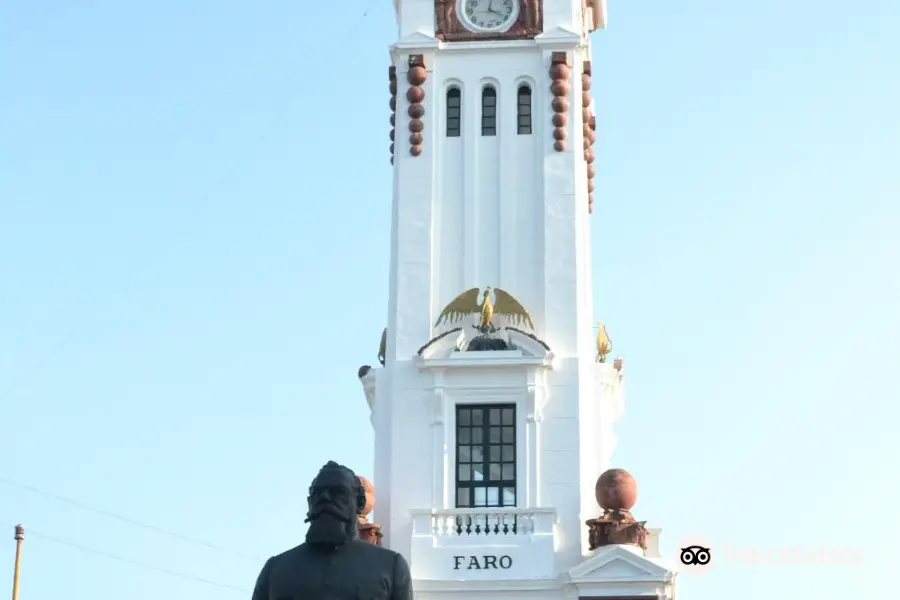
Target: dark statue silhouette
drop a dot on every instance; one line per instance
(333, 563)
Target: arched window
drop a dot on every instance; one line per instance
(488, 111)
(454, 110)
(524, 109)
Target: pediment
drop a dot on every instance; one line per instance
(558, 35)
(444, 344)
(416, 40)
(453, 348)
(620, 563)
(528, 343)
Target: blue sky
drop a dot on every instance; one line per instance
(190, 277)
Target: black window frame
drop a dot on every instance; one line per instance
(524, 99)
(489, 101)
(453, 125)
(501, 451)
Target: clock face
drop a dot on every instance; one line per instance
(488, 16)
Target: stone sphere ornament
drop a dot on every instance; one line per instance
(416, 75)
(560, 88)
(559, 104)
(559, 71)
(370, 495)
(616, 489)
(415, 95)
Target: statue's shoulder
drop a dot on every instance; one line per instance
(378, 554)
(293, 553)
(376, 551)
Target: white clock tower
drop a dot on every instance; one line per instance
(491, 430)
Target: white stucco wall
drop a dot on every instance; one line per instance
(505, 211)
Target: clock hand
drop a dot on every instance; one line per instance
(491, 8)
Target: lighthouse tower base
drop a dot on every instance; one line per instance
(618, 572)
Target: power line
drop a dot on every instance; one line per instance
(130, 561)
(23, 376)
(124, 519)
(206, 204)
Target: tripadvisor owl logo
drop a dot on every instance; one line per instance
(695, 556)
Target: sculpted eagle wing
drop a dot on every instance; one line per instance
(510, 308)
(604, 344)
(463, 305)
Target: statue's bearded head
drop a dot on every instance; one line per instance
(336, 498)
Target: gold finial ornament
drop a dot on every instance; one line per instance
(604, 344)
(382, 349)
(467, 304)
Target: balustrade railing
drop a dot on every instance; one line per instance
(484, 522)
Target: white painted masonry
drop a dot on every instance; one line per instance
(505, 211)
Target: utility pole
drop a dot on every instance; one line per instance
(20, 535)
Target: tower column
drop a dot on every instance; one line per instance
(508, 129)
(535, 397)
(409, 320)
(440, 490)
(567, 319)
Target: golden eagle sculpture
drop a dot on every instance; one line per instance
(467, 304)
(604, 344)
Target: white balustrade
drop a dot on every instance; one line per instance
(484, 522)
(447, 542)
